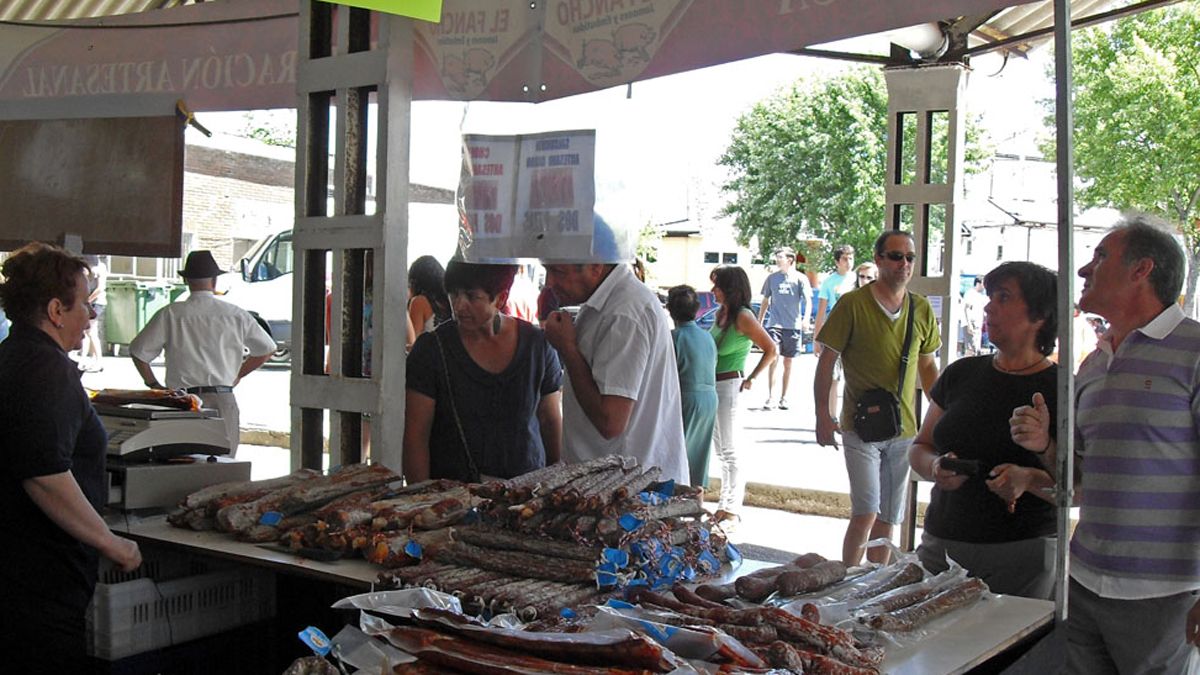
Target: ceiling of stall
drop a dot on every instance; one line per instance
(1014, 29)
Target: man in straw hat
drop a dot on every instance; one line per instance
(206, 340)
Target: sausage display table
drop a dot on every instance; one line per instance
(155, 530)
(963, 640)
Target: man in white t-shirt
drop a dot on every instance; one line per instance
(841, 281)
(973, 303)
(786, 294)
(622, 391)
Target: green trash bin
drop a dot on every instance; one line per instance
(120, 315)
(177, 290)
(131, 304)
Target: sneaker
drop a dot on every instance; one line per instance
(783, 405)
(768, 405)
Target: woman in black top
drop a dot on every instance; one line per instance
(484, 389)
(52, 475)
(994, 517)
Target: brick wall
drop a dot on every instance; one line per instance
(230, 195)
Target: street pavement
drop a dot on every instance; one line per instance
(779, 448)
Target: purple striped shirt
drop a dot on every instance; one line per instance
(1137, 422)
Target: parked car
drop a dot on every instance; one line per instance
(707, 301)
(709, 317)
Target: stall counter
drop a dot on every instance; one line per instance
(965, 639)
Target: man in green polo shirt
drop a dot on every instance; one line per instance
(866, 329)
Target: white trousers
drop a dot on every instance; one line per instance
(228, 407)
(725, 441)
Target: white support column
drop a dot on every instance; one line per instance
(926, 139)
(337, 69)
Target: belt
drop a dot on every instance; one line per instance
(729, 375)
(215, 389)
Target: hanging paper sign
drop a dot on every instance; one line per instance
(529, 196)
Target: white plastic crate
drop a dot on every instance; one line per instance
(141, 614)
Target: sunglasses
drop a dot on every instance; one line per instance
(866, 277)
(897, 256)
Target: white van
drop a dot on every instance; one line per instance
(262, 285)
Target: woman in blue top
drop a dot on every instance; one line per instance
(483, 390)
(696, 358)
(734, 331)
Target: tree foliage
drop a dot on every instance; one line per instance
(809, 162)
(1137, 112)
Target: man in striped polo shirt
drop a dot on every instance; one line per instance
(1135, 555)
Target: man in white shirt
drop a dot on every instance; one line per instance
(207, 341)
(622, 390)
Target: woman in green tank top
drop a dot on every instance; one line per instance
(734, 331)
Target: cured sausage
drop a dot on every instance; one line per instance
(819, 576)
(903, 575)
(783, 655)
(910, 618)
(615, 647)
(716, 592)
(684, 594)
(471, 656)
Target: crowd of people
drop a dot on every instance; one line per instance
(491, 395)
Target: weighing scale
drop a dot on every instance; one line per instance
(158, 455)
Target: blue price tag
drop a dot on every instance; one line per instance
(270, 518)
(630, 522)
(316, 640)
(413, 549)
(617, 557)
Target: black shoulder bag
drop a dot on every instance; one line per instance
(877, 411)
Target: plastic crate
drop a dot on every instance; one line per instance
(139, 615)
(159, 565)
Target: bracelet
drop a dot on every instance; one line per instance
(1049, 440)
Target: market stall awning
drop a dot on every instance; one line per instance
(234, 54)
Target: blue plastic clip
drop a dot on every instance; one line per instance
(617, 557)
(735, 556)
(567, 613)
(316, 640)
(270, 518)
(630, 522)
(413, 549)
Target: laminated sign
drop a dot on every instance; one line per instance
(528, 196)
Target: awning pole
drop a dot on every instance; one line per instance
(1064, 125)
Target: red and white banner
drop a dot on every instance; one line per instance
(237, 54)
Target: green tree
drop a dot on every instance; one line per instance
(1137, 112)
(808, 162)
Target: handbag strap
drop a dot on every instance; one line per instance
(907, 343)
(472, 469)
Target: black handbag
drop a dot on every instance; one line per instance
(877, 411)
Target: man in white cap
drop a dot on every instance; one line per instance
(211, 344)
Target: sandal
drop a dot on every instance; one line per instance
(726, 520)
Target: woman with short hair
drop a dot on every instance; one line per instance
(696, 359)
(52, 480)
(483, 389)
(994, 515)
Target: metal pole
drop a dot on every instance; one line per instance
(1064, 126)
